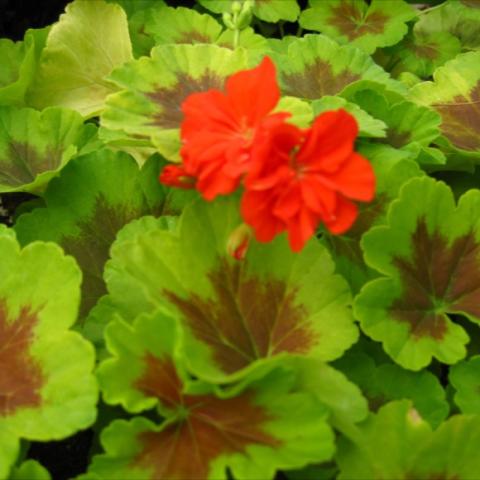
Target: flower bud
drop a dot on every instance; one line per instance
(238, 241)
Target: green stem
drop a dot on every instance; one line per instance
(431, 9)
(236, 38)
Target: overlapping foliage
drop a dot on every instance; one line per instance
(220, 352)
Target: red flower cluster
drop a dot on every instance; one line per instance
(293, 178)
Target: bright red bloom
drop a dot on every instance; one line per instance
(300, 178)
(219, 128)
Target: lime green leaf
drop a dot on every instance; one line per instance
(301, 112)
(455, 95)
(234, 313)
(367, 26)
(465, 378)
(30, 470)
(9, 449)
(448, 452)
(19, 61)
(411, 127)
(454, 17)
(398, 431)
(392, 169)
(275, 10)
(315, 66)
(383, 383)
(88, 42)
(85, 208)
(48, 389)
(428, 253)
(368, 125)
(451, 451)
(35, 146)
(265, 425)
(343, 398)
(148, 111)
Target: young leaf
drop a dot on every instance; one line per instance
(249, 429)
(367, 26)
(234, 313)
(428, 253)
(85, 208)
(47, 387)
(34, 146)
(465, 378)
(83, 47)
(455, 95)
(315, 66)
(386, 382)
(148, 111)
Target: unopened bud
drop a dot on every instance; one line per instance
(228, 20)
(238, 241)
(236, 7)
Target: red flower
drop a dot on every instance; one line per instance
(300, 178)
(219, 128)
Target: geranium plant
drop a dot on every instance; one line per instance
(243, 240)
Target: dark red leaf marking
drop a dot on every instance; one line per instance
(439, 278)
(208, 428)
(429, 50)
(23, 163)
(192, 37)
(316, 80)
(461, 120)
(471, 3)
(249, 318)
(171, 98)
(21, 377)
(160, 380)
(350, 20)
(91, 245)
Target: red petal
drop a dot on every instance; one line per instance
(345, 216)
(301, 229)
(176, 176)
(329, 141)
(356, 179)
(254, 93)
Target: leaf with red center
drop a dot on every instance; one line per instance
(234, 313)
(457, 102)
(448, 453)
(315, 66)
(430, 255)
(261, 425)
(455, 17)
(47, 387)
(85, 208)
(421, 53)
(147, 112)
(367, 26)
(35, 146)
